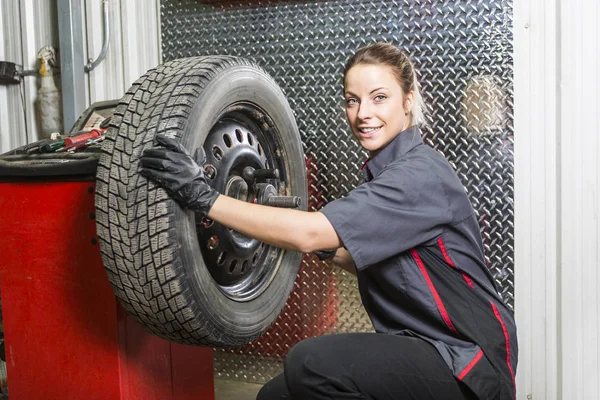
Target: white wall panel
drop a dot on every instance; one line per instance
(134, 46)
(536, 193)
(557, 178)
(106, 80)
(580, 184)
(11, 110)
(147, 28)
(28, 25)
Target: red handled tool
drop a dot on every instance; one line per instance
(83, 140)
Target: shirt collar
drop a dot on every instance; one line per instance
(404, 142)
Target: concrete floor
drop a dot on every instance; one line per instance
(235, 390)
(224, 390)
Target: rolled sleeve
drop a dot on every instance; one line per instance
(393, 213)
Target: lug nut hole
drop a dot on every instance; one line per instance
(254, 258)
(213, 242)
(207, 222)
(210, 171)
(232, 266)
(239, 136)
(227, 140)
(217, 153)
(260, 150)
(250, 139)
(244, 266)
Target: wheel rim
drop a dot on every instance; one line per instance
(244, 136)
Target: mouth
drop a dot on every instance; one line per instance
(368, 131)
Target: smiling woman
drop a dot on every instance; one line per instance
(376, 107)
(382, 95)
(409, 233)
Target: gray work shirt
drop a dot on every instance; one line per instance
(415, 240)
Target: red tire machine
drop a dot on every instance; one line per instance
(66, 337)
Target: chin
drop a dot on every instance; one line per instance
(372, 146)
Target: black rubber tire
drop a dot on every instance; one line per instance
(149, 244)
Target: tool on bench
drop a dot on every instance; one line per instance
(35, 147)
(53, 146)
(74, 142)
(80, 141)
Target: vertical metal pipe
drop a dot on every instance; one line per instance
(70, 34)
(94, 63)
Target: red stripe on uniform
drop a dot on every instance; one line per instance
(436, 296)
(449, 261)
(470, 366)
(445, 253)
(506, 339)
(469, 281)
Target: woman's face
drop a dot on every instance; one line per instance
(376, 106)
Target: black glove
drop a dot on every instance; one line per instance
(325, 254)
(173, 168)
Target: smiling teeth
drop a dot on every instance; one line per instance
(368, 130)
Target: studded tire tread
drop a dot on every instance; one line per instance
(139, 226)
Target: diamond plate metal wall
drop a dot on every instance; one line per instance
(463, 51)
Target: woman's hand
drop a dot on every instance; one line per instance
(173, 168)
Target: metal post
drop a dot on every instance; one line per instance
(70, 33)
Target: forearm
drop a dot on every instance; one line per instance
(172, 167)
(289, 229)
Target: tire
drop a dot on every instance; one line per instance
(162, 261)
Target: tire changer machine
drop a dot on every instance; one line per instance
(66, 335)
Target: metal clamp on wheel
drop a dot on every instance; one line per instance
(267, 195)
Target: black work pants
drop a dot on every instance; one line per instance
(364, 366)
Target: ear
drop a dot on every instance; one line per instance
(409, 101)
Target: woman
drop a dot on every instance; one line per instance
(410, 235)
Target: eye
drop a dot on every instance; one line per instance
(380, 97)
(351, 101)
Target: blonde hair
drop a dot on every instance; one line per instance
(402, 68)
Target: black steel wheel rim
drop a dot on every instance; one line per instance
(244, 136)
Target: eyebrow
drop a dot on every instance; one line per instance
(379, 88)
(374, 90)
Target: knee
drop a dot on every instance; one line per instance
(276, 388)
(298, 357)
(301, 366)
(262, 393)
(265, 393)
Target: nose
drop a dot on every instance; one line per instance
(364, 111)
